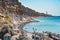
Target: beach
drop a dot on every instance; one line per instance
(22, 26)
(52, 34)
(20, 33)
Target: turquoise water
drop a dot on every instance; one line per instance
(51, 24)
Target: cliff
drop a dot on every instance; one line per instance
(33, 13)
(13, 6)
(12, 15)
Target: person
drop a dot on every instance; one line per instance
(36, 37)
(50, 35)
(32, 36)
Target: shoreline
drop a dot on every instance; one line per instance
(45, 34)
(24, 23)
(24, 32)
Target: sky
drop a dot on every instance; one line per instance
(51, 6)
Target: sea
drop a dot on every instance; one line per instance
(50, 24)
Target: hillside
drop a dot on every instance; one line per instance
(13, 6)
(13, 16)
(33, 13)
